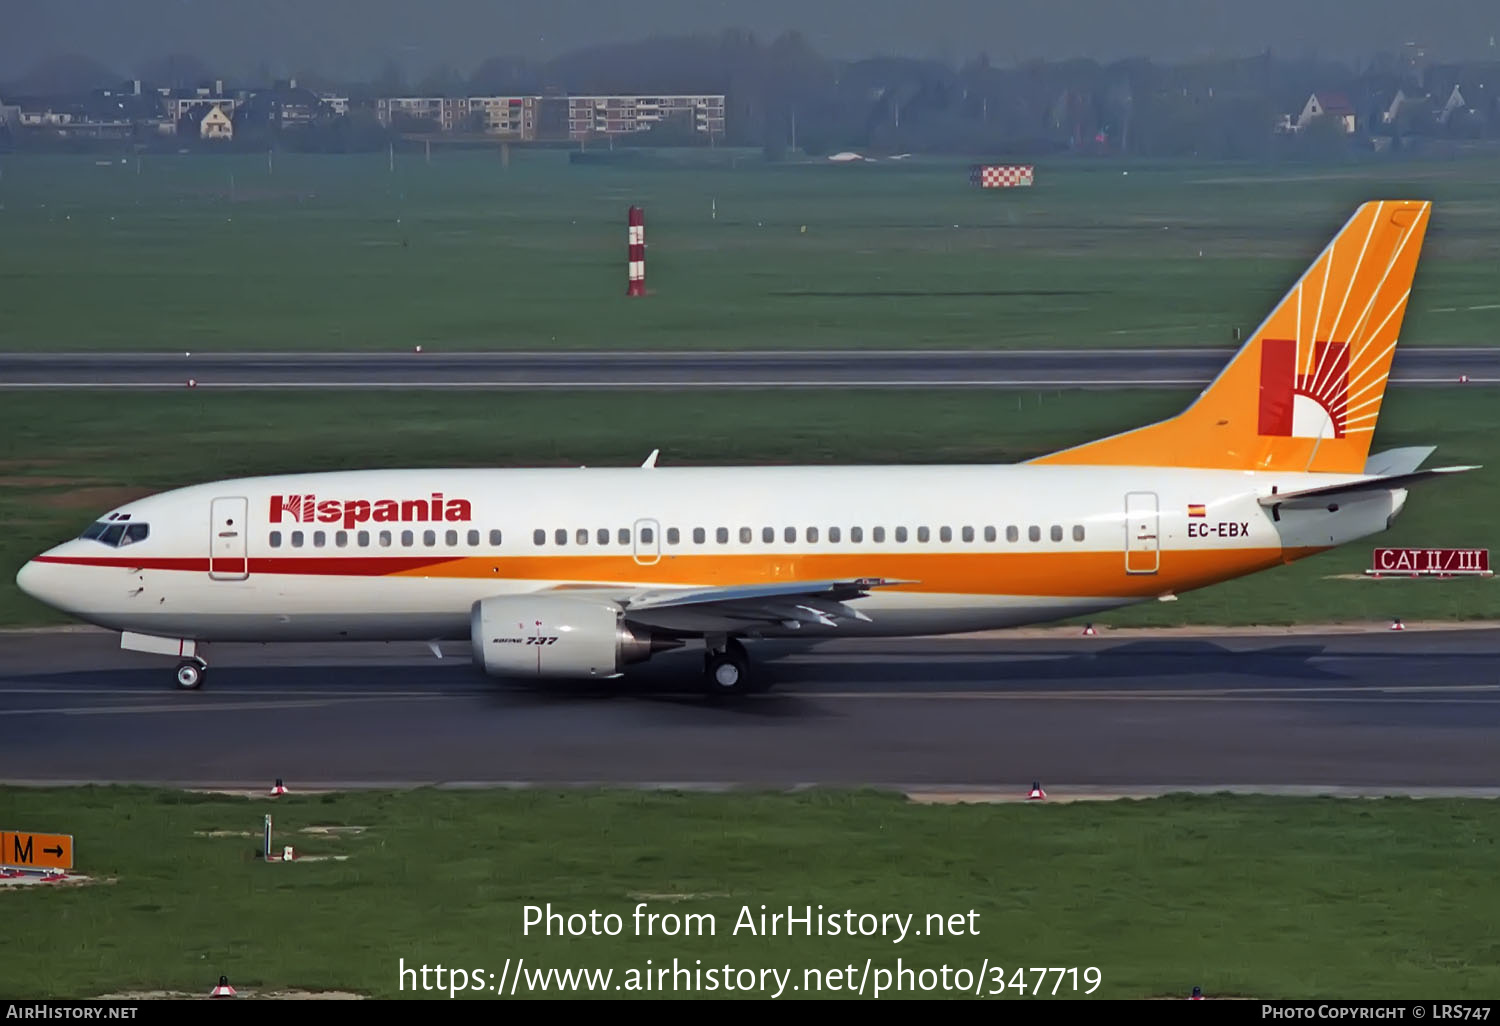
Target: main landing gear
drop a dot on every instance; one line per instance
(190, 674)
(726, 668)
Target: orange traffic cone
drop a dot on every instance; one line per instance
(278, 789)
(223, 989)
(1036, 793)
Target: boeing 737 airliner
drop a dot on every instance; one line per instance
(577, 573)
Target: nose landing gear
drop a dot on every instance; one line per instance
(190, 674)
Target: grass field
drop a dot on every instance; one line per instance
(340, 252)
(1258, 897)
(66, 459)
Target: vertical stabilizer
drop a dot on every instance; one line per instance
(1305, 390)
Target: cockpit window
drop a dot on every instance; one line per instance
(117, 533)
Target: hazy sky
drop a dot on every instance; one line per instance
(351, 38)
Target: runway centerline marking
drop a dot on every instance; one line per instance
(218, 707)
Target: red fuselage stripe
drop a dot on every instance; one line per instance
(360, 566)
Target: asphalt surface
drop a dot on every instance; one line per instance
(1390, 711)
(1112, 368)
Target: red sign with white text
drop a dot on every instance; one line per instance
(1432, 561)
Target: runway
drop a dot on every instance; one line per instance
(1092, 368)
(1115, 713)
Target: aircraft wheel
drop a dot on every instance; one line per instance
(726, 673)
(189, 675)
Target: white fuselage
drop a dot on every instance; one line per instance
(985, 546)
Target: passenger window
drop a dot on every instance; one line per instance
(745, 536)
(624, 536)
(699, 536)
(539, 537)
(945, 534)
(601, 535)
(1011, 534)
(494, 537)
(1034, 533)
(647, 535)
(319, 539)
(901, 534)
(833, 534)
(408, 539)
(429, 538)
(921, 534)
(296, 539)
(672, 536)
(878, 534)
(451, 538)
(385, 539)
(275, 539)
(1078, 532)
(989, 533)
(968, 534)
(364, 539)
(790, 534)
(581, 536)
(560, 536)
(473, 539)
(768, 534)
(812, 534)
(341, 539)
(722, 536)
(1057, 532)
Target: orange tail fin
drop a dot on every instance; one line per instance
(1305, 390)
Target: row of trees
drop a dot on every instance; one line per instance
(783, 94)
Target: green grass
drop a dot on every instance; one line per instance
(1260, 897)
(65, 459)
(338, 252)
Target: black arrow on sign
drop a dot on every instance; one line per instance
(53, 851)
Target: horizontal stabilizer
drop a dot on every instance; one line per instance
(1309, 497)
(1398, 461)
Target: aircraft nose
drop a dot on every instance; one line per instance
(35, 580)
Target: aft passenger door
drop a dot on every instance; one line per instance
(1142, 530)
(228, 548)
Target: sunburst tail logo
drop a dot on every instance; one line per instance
(1310, 405)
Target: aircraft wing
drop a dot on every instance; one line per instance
(744, 607)
(1312, 498)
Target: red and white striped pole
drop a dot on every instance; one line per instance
(637, 286)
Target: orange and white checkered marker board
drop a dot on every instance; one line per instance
(1001, 176)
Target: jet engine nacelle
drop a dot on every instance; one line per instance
(545, 636)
